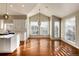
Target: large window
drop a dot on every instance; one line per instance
(70, 29)
(34, 28)
(39, 25)
(44, 27)
(39, 28)
(56, 29)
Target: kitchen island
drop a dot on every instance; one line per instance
(8, 43)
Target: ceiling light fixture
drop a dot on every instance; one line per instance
(22, 5)
(11, 5)
(6, 16)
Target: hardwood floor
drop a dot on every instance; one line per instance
(43, 47)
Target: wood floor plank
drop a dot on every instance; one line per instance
(43, 47)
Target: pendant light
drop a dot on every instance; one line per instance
(6, 16)
(39, 16)
(39, 20)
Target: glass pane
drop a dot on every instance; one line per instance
(70, 29)
(44, 28)
(56, 29)
(34, 28)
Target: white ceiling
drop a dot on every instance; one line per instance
(58, 9)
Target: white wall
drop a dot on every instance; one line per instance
(51, 27)
(28, 27)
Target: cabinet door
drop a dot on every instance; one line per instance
(19, 25)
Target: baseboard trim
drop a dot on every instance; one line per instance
(72, 44)
(55, 38)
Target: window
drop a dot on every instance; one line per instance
(44, 28)
(34, 27)
(57, 29)
(70, 29)
(39, 27)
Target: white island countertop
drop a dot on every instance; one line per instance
(8, 43)
(7, 36)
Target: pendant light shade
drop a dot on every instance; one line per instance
(6, 16)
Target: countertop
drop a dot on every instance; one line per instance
(7, 36)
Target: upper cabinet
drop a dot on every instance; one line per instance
(19, 25)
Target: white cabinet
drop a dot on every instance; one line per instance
(8, 43)
(19, 25)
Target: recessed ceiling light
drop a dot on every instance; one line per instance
(11, 5)
(22, 5)
(7, 13)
